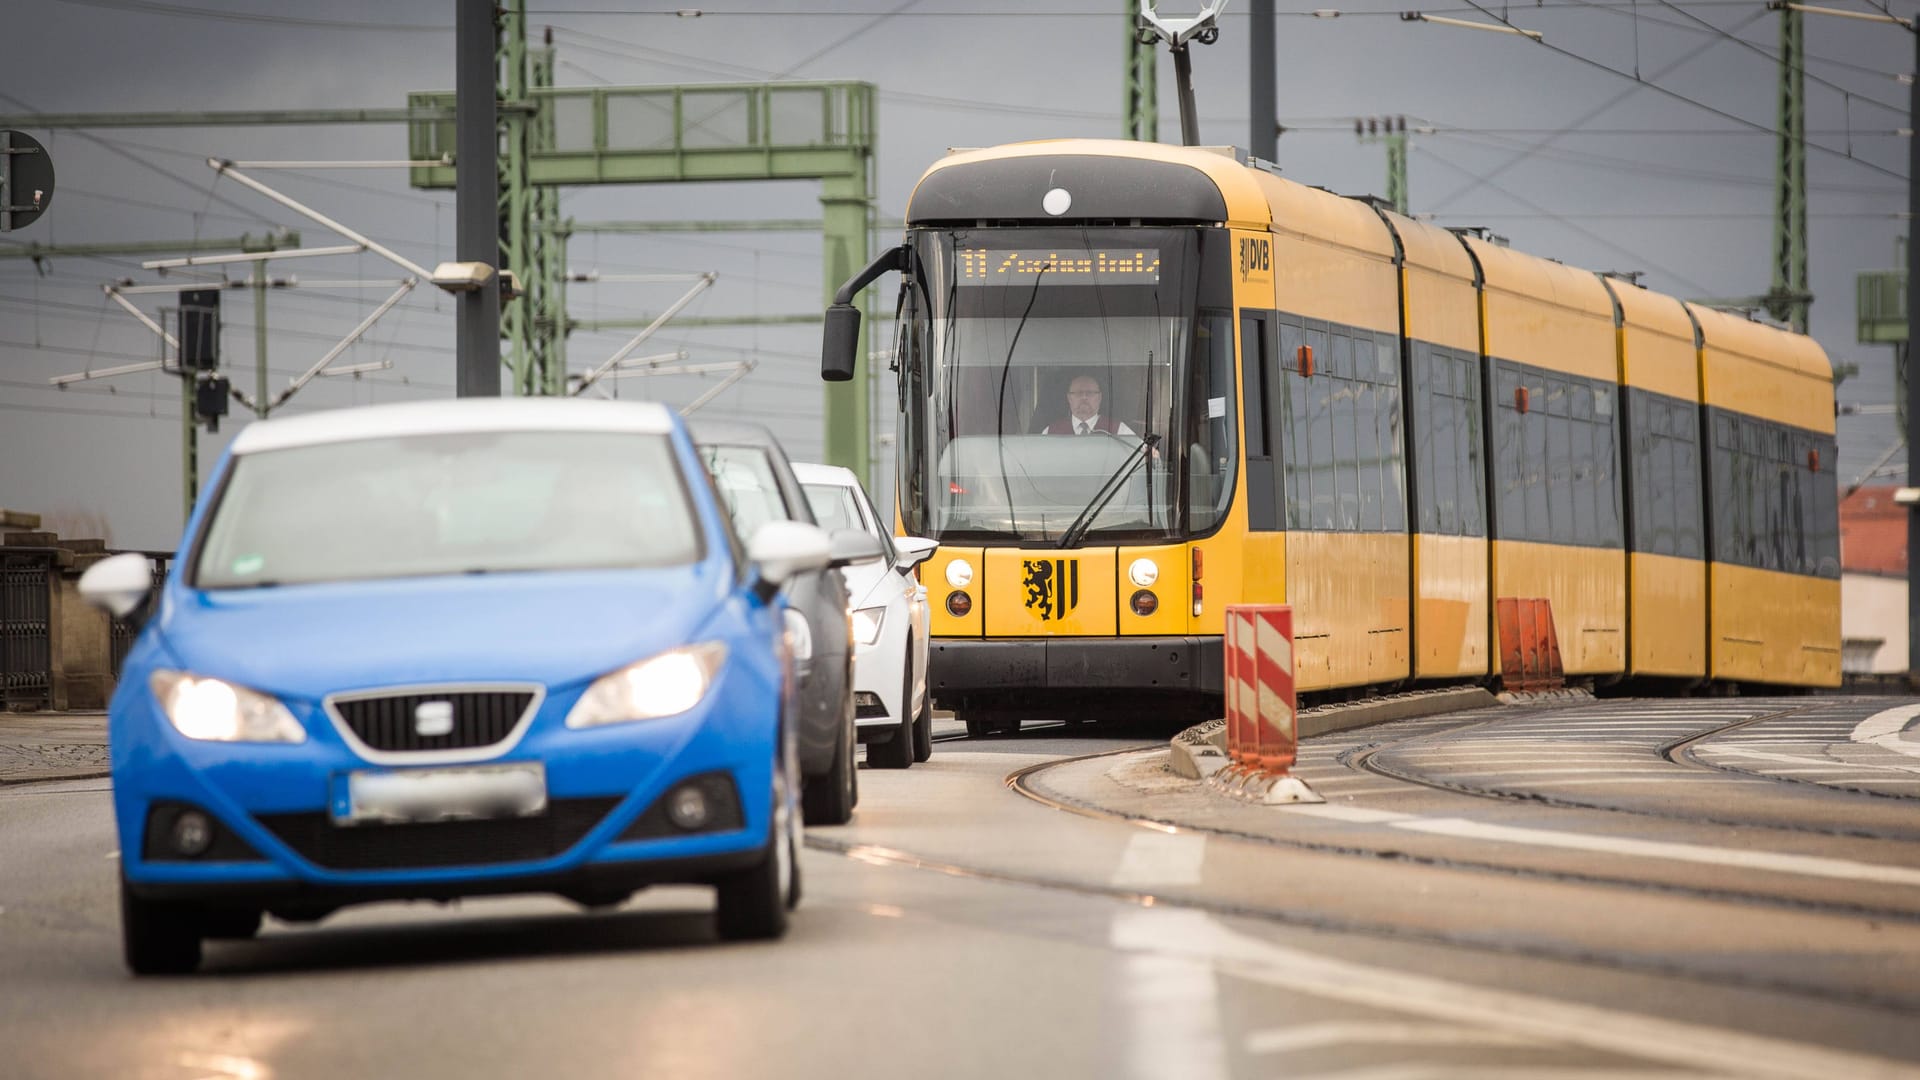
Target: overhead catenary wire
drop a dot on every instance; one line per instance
(1677, 96)
(1595, 237)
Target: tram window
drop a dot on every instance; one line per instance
(1606, 456)
(1687, 539)
(1441, 464)
(1367, 447)
(1346, 457)
(1586, 493)
(1297, 447)
(1320, 457)
(1561, 494)
(1253, 362)
(1393, 488)
(1538, 462)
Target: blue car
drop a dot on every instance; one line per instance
(436, 650)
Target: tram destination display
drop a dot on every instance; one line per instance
(1058, 266)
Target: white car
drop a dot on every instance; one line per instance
(893, 711)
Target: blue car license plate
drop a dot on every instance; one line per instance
(381, 796)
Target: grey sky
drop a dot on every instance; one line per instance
(1649, 183)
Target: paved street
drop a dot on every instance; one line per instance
(1589, 889)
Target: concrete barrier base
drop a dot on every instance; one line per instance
(1263, 788)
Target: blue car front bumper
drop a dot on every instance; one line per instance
(603, 832)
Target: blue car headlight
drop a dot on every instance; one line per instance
(214, 710)
(652, 689)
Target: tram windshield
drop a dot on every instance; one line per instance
(1051, 374)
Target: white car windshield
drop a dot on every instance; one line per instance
(471, 502)
(747, 485)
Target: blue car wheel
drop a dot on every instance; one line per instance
(752, 904)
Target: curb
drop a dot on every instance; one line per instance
(1327, 719)
(1200, 751)
(53, 777)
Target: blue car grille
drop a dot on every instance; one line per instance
(389, 723)
(441, 843)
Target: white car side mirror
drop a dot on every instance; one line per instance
(914, 550)
(782, 550)
(849, 546)
(119, 584)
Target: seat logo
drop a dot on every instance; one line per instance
(432, 719)
(1053, 586)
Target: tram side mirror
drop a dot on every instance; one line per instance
(841, 343)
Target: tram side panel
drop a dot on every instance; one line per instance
(1336, 395)
(1547, 338)
(1666, 533)
(1447, 490)
(1774, 577)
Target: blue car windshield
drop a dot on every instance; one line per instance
(449, 503)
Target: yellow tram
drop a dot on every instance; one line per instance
(1271, 393)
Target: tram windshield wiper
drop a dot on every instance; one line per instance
(1078, 530)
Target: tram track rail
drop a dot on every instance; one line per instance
(1020, 783)
(1366, 759)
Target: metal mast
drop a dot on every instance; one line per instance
(1141, 82)
(1262, 80)
(476, 211)
(1788, 299)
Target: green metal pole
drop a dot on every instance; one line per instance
(515, 205)
(546, 296)
(260, 340)
(1789, 300)
(1397, 172)
(844, 202)
(1141, 83)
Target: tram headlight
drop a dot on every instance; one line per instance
(959, 573)
(1143, 572)
(959, 604)
(1145, 603)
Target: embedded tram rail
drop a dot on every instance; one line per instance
(1767, 879)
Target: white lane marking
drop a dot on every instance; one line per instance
(1174, 999)
(1375, 1033)
(1155, 859)
(1883, 729)
(1723, 780)
(1397, 790)
(1197, 936)
(1797, 759)
(1522, 774)
(111, 855)
(1504, 1073)
(1359, 815)
(1775, 862)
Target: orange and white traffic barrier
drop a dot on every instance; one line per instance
(1262, 706)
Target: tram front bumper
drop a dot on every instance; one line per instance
(1178, 664)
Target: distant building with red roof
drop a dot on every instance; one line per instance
(1873, 582)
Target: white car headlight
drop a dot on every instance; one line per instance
(215, 710)
(652, 689)
(866, 624)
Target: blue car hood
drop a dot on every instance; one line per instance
(553, 628)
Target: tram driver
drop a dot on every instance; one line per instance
(1084, 416)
